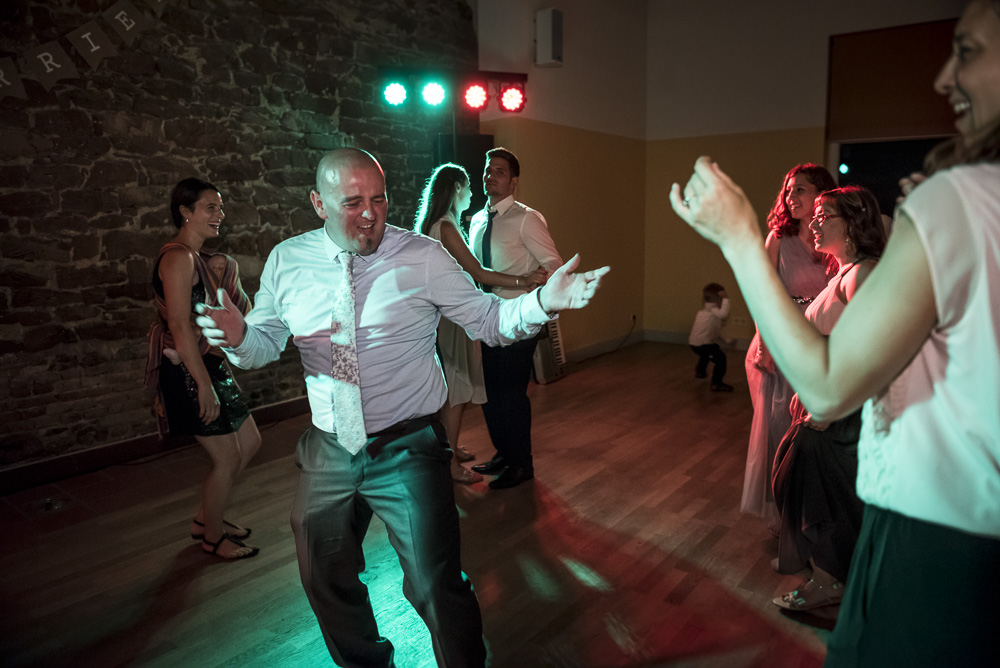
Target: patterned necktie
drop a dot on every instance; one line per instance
(348, 416)
(487, 250)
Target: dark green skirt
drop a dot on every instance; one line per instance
(919, 595)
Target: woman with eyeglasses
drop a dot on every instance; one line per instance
(919, 347)
(816, 466)
(804, 273)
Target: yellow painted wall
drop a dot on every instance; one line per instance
(678, 261)
(606, 197)
(590, 188)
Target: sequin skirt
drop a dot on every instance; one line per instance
(180, 399)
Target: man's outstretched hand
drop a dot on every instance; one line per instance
(223, 327)
(566, 290)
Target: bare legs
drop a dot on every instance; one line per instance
(230, 454)
(451, 418)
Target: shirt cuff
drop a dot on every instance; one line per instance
(241, 354)
(534, 312)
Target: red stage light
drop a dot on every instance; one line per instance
(512, 98)
(476, 96)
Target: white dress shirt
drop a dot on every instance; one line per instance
(519, 243)
(402, 289)
(708, 324)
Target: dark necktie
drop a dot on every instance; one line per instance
(487, 251)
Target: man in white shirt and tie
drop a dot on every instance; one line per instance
(509, 237)
(374, 388)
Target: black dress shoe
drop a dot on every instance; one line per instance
(492, 467)
(512, 477)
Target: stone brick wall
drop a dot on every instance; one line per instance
(247, 95)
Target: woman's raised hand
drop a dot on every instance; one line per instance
(908, 183)
(716, 207)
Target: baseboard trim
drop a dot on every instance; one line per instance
(681, 338)
(660, 336)
(581, 354)
(54, 469)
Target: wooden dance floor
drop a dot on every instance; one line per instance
(628, 549)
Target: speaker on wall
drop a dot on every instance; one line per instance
(548, 38)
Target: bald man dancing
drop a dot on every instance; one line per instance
(395, 464)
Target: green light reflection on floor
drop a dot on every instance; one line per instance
(586, 575)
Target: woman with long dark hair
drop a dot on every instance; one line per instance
(196, 392)
(919, 347)
(446, 195)
(804, 273)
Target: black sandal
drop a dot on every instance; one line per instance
(199, 536)
(234, 541)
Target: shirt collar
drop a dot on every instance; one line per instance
(502, 205)
(333, 250)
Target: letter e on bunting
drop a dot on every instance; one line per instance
(126, 20)
(10, 81)
(92, 43)
(49, 63)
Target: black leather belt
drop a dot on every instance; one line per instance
(406, 425)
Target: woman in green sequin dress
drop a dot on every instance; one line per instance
(197, 394)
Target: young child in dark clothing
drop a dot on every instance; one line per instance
(704, 339)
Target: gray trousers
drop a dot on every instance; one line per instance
(402, 476)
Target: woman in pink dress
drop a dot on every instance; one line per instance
(804, 272)
(816, 467)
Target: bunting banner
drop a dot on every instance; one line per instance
(49, 63)
(10, 81)
(126, 20)
(92, 43)
(157, 6)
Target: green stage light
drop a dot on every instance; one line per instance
(433, 93)
(395, 93)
